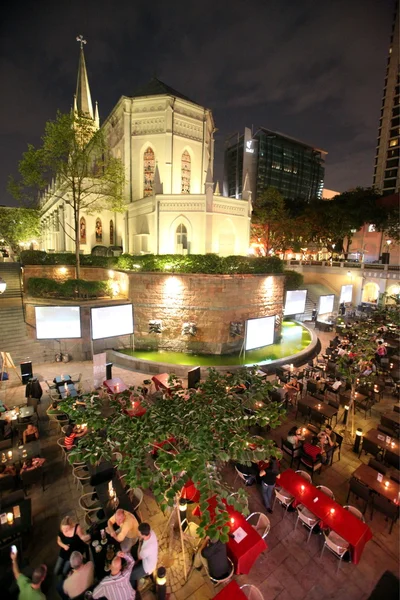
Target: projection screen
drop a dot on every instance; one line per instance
(259, 332)
(110, 321)
(346, 294)
(295, 302)
(57, 322)
(326, 304)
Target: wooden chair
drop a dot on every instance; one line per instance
(31, 477)
(337, 447)
(369, 448)
(385, 506)
(359, 490)
(303, 409)
(312, 465)
(289, 449)
(377, 466)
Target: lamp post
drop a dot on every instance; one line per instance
(3, 286)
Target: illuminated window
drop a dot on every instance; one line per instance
(99, 231)
(149, 166)
(82, 231)
(186, 171)
(181, 237)
(393, 143)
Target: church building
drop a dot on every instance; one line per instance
(166, 144)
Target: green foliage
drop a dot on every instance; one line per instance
(165, 263)
(205, 428)
(270, 220)
(293, 279)
(19, 225)
(41, 287)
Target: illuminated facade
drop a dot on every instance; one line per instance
(166, 144)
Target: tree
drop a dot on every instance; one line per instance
(78, 161)
(270, 220)
(18, 225)
(194, 432)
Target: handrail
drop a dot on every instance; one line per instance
(343, 265)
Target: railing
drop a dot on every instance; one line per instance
(344, 265)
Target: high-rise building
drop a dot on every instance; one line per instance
(271, 159)
(386, 172)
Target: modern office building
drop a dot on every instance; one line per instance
(271, 159)
(386, 171)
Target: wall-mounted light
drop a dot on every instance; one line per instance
(62, 270)
(235, 328)
(189, 329)
(155, 326)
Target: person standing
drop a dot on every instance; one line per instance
(128, 529)
(116, 586)
(29, 590)
(147, 554)
(81, 578)
(268, 479)
(70, 538)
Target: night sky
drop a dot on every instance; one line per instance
(313, 70)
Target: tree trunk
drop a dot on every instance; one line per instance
(77, 254)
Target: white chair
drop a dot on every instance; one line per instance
(239, 475)
(251, 592)
(64, 449)
(304, 475)
(217, 582)
(260, 523)
(76, 378)
(50, 386)
(283, 497)
(88, 504)
(81, 476)
(136, 497)
(307, 518)
(326, 491)
(357, 513)
(336, 544)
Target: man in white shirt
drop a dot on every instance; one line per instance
(336, 385)
(81, 578)
(147, 554)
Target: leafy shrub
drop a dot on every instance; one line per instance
(293, 279)
(41, 287)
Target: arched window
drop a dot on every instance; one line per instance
(111, 233)
(149, 166)
(181, 238)
(99, 231)
(185, 173)
(82, 230)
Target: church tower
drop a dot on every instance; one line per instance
(83, 106)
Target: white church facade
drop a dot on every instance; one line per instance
(166, 144)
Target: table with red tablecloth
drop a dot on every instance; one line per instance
(231, 592)
(161, 381)
(244, 553)
(190, 492)
(115, 385)
(331, 514)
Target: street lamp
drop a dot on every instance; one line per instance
(3, 286)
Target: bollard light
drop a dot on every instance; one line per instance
(345, 414)
(161, 582)
(357, 441)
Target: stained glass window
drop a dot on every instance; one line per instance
(99, 231)
(111, 233)
(186, 168)
(181, 237)
(82, 230)
(149, 169)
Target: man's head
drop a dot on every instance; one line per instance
(76, 560)
(328, 429)
(119, 516)
(54, 404)
(116, 565)
(144, 531)
(39, 574)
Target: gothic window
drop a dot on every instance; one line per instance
(185, 174)
(149, 167)
(82, 230)
(111, 233)
(99, 231)
(181, 237)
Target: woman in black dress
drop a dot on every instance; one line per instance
(70, 538)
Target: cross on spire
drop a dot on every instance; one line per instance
(79, 38)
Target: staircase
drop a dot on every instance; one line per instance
(314, 291)
(14, 336)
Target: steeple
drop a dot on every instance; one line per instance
(83, 100)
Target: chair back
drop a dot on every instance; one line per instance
(396, 408)
(385, 506)
(313, 428)
(287, 447)
(5, 444)
(311, 387)
(304, 475)
(303, 409)
(260, 523)
(339, 439)
(378, 466)
(251, 591)
(7, 483)
(370, 448)
(395, 475)
(12, 499)
(392, 459)
(359, 489)
(354, 511)
(386, 422)
(32, 476)
(327, 491)
(317, 416)
(334, 403)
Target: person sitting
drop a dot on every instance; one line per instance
(54, 410)
(342, 350)
(334, 387)
(147, 554)
(380, 351)
(81, 578)
(128, 531)
(30, 434)
(71, 435)
(3, 407)
(6, 430)
(292, 388)
(314, 450)
(29, 589)
(32, 463)
(214, 552)
(294, 437)
(116, 586)
(7, 470)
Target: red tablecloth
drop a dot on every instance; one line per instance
(115, 385)
(231, 592)
(341, 521)
(244, 553)
(190, 492)
(161, 381)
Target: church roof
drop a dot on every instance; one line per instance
(155, 87)
(83, 98)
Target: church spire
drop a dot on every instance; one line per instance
(83, 104)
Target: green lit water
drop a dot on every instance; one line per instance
(294, 339)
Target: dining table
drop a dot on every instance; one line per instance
(161, 382)
(245, 543)
(385, 442)
(231, 591)
(61, 379)
(22, 518)
(109, 506)
(330, 513)
(17, 413)
(68, 390)
(115, 385)
(386, 487)
(394, 417)
(19, 454)
(326, 410)
(103, 548)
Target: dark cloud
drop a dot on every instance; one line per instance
(313, 70)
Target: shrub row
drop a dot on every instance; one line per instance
(193, 263)
(41, 287)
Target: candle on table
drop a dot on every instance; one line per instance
(332, 511)
(232, 520)
(10, 518)
(302, 487)
(386, 484)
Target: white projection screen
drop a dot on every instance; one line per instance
(110, 321)
(259, 332)
(58, 322)
(295, 302)
(346, 294)
(326, 304)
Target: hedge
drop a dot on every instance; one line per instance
(41, 287)
(293, 279)
(173, 263)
